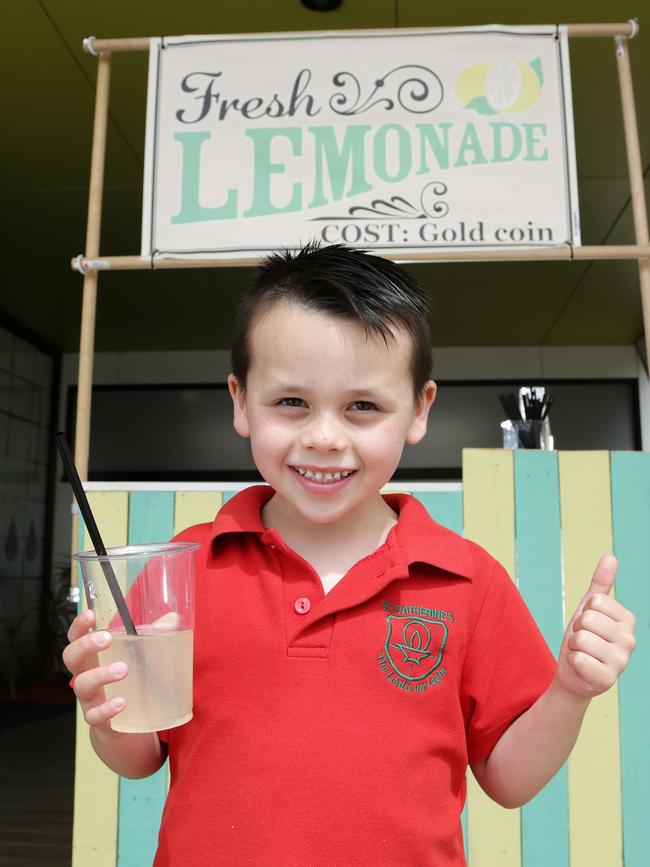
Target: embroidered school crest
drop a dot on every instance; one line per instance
(414, 645)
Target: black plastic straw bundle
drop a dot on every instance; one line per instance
(531, 404)
(534, 408)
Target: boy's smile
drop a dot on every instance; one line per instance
(322, 480)
(328, 410)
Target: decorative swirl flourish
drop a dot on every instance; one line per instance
(417, 89)
(430, 199)
(397, 206)
(431, 205)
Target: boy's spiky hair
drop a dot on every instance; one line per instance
(339, 281)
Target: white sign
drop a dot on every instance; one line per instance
(386, 140)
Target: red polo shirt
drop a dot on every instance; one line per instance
(336, 729)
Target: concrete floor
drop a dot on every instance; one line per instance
(36, 784)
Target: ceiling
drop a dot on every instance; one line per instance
(48, 102)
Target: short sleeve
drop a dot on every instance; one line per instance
(508, 665)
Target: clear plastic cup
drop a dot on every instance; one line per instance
(527, 434)
(157, 582)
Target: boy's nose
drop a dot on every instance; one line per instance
(323, 433)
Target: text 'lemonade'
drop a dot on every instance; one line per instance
(157, 688)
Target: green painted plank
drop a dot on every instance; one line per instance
(446, 507)
(151, 516)
(544, 821)
(151, 519)
(631, 519)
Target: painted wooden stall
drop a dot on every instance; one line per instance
(548, 517)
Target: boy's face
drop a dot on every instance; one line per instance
(327, 409)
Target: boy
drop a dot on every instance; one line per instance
(351, 656)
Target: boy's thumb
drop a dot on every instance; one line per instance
(602, 580)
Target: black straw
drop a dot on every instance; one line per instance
(89, 519)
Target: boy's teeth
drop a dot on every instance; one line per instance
(323, 477)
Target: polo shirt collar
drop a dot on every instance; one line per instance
(416, 538)
(423, 540)
(243, 513)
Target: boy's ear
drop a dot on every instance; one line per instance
(423, 404)
(240, 418)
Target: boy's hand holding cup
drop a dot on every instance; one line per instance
(90, 677)
(80, 658)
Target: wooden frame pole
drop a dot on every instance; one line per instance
(525, 254)
(89, 302)
(141, 43)
(635, 169)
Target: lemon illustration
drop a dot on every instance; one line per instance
(511, 86)
(471, 82)
(502, 86)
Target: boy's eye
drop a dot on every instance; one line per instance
(291, 401)
(364, 406)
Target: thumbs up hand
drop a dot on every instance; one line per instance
(599, 638)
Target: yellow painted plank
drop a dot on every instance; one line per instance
(94, 833)
(489, 502)
(195, 507)
(493, 833)
(111, 511)
(595, 819)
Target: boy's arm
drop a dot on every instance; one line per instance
(129, 755)
(596, 647)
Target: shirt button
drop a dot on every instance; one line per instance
(302, 605)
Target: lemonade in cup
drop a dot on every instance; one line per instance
(158, 585)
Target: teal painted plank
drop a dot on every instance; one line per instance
(631, 521)
(544, 821)
(151, 519)
(151, 516)
(538, 540)
(446, 507)
(139, 813)
(228, 495)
